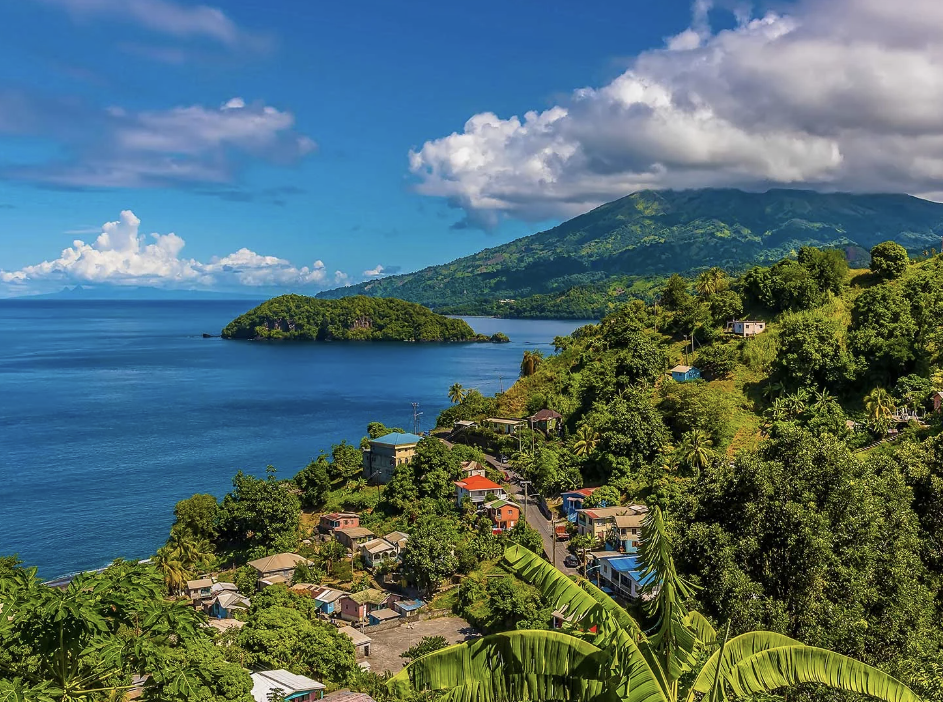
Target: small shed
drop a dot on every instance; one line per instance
(938, 402)
(505, 425)
(683, 374)
(378, 616)
(546, 420)
(361, 641)
(745, 327)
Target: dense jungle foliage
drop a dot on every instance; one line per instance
(657, 233)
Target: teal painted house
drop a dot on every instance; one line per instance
(683, 374)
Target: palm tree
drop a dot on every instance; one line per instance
(696, 450)
(711, 281)
(530, 363)
(587, 439)
(188, 551)
(879, 405)
(457, 393)
(606, 656)
(171, 569)
(795, 404)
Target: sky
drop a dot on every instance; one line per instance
(303, 144)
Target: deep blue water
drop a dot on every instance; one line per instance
(111, 412)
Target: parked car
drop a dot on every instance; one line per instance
(571, 561)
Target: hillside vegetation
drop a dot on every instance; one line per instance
(782, 508)
(656, 234)
(351, 319)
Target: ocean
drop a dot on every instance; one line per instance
(112, 411)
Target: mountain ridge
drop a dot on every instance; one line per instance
(653, 233)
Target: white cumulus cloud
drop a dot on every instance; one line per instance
(836, 94)
(121, 255)
(374, 272)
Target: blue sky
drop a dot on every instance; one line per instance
(298, 145)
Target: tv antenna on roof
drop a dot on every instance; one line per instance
(416, 415)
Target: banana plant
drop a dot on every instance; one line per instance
(606, 656)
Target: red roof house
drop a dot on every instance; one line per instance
(477, 488)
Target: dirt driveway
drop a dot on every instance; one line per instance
(387, 645)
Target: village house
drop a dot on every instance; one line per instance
(361, 641)
(477, 489)
(387, 452)
(625, 532)
(938, 402)
(199, 590)
(546, 420)
(338, 520)
(503, 514)
(742, 327)
(597, 521)
(226, 602)
(682, 374)
(279, 568)
(352, 537)
(397, 539)
(356, 607)
(572, 501)
(377, 551)
(504, 425)
(325, 598)
(280, 684)
(621, 575)
(470, 468)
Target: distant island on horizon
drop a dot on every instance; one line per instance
(360, 318)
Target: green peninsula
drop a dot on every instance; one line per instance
(358, 318)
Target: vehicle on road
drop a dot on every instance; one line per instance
(562, 533)
(571, 561)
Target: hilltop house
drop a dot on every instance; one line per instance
(573, 501)
(280, 684)
(745, 327)
(387, 452)
(504, 425)
(598, 520)
(353, 536)
(376, 551)
(470, 468)
(503, 514)
(338, 520)
(682, 374)
(477, 489)
(278, 568)
(356, 607)
(546, 420)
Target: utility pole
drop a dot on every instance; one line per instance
(525, 483)
(416, 415)
(553, 531)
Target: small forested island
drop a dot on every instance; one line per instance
(357, 318)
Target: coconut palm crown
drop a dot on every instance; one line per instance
(605, 656)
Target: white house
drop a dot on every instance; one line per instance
(743, 327)
(376, 551)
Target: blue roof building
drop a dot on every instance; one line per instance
(387, 452)
(623, 574)
(683, 374)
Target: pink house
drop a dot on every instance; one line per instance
(339, 520)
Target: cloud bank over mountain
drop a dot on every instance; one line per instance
(121, 255)
(836, 95)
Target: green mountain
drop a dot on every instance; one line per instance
(656, 233)
(351, 319)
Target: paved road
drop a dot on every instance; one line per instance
(543, 526)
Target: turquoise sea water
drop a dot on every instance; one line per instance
(110, 412)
